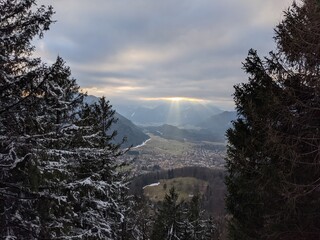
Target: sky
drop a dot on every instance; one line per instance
(146, 51)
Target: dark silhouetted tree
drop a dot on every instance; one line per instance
(273, 153)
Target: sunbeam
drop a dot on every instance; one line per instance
(174, 114)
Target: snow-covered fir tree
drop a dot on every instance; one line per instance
(97, 187)
(57, 116)
(58, 169)
(21, 77)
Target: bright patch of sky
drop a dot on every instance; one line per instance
(144, 50)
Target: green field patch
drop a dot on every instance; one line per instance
(164, 146)
(186, 187)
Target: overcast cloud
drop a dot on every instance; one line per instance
(135, 49)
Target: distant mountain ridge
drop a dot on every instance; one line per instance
(213, 129)
(124, 127)
(177, 114)
(219, 123)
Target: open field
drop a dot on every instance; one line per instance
(186, 187)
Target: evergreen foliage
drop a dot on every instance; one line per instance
(180, 220)
(273, 152)
(168, 222)
(60, 178)
(21, 78)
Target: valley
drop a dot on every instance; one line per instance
(160, 154)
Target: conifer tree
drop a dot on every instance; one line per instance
(169, 218)
(181, 220)
(21, 77)
(143, 217)
(58, 168)
(95, 189)
(195, 226)
(273, 152)
(57, 116)
(247, 152)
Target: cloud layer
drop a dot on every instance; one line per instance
(142, 49)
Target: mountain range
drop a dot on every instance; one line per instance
(213, 129)
(175, 113)
(178, 121)
(219, 123)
